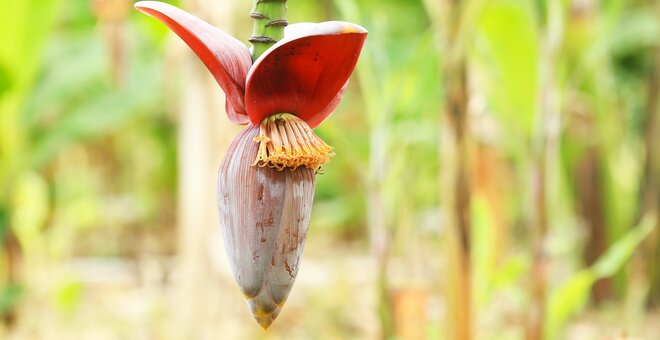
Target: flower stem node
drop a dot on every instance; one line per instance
(286, 141)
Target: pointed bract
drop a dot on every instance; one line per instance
(304, 73)
(226, 57)
(264, 215)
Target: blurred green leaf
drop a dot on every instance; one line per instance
(9, 297)
(4, 225)
(5, 82)
(483, 229)
(634, 29)
(511, 271)
(25, 24)
(30, 207)
(617, 255)
(76, 99)
(571, 297)
(506, 53)
(68, 295)
(567, 300)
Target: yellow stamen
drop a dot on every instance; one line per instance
(286, 141)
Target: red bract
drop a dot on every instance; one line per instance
(303, 74)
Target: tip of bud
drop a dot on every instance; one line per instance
(264, 309)
(286, 141)
(266, 320)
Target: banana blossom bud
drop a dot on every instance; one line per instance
(266, 181)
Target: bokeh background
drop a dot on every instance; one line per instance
(497, 175)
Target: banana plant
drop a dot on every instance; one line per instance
(288, 83)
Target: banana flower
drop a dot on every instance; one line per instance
(266, 181)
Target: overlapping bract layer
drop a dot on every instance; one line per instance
(264, 215)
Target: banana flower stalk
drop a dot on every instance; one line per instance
(266, 181)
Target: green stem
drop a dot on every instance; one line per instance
(269, 22)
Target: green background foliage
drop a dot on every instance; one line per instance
(90, 115)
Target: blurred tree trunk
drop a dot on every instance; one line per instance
(536, 314)
(490, 182)
(456, 154)
(12, 276)
(204, 135)
(409, 311)
(589, 171)
(650, 188)
(542, 148)
(112, 16)
(588, 187)
(378, 228)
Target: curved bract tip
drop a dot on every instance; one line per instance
(302, 29)
(304, 73)
(227, 58)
